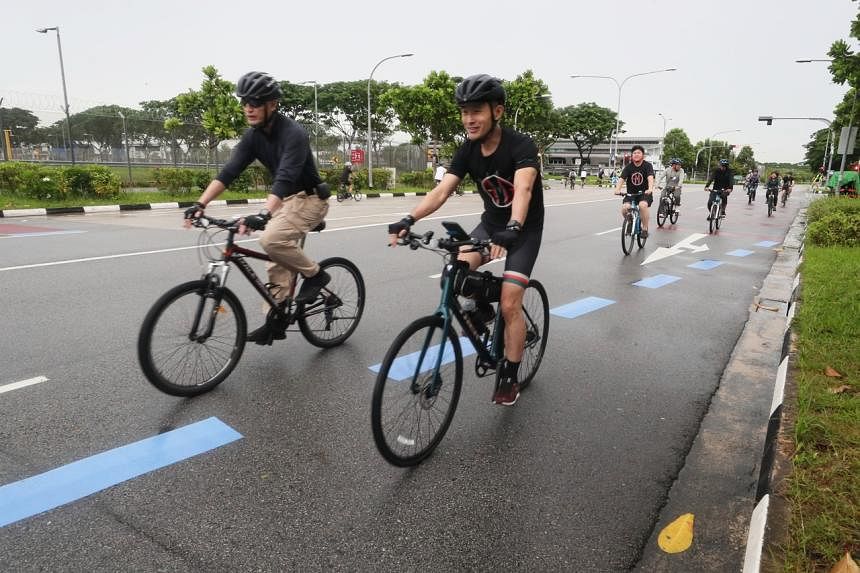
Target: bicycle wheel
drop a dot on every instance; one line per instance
(341, 196)
(714, 217)
(536, 313)
(673, 216)
(770, 205)
(640, 240)
(357, 196)
(627, 237)
(412, 407)
(332, 318)
(177, 354)
(662, 213)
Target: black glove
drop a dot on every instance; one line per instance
(403, 224)
(191, 212)
(258, 222)
(509, 236)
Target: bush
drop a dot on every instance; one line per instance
(38, 182)
(418, 178)
(838, 228)
(823, 207)
(181, 180)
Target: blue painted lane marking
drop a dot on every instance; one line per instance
(705, 264)
(740, 253)
(404, 366)
(657, 281)
(33, 495)
(766, 243)
(581, 306)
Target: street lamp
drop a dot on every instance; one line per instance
(369, 129)
(708, 167)
(618, 108)
(517, 112)
(127, 154)
(663, 140)
(316, 121)
(65, 94)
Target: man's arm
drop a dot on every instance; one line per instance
(431, 202)
(524, 180)
(650, 184)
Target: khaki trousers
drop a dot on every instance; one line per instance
(281, 240)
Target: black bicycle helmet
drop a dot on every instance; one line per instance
(724, 161)
(258, 85)
(675, 161)
(480, 88)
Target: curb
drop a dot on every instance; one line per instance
(758, 520)
(171, 205)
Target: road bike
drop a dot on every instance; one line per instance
(667, 210)
(343, 193)
(419, 381)
(715, 216)
(771, 202)
(631, 228)
(193, 336)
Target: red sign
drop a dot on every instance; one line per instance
(356, 156)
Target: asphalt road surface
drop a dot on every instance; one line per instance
(570, 479)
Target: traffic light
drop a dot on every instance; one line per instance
(766, 118)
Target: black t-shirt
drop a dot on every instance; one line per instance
(637, 177)
(344, 176)
(515, 151)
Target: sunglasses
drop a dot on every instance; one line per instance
(252, 101)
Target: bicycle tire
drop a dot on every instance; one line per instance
(627, 237)
(395, 440)
(341, 301)
(357, 196)
(340, 197)
(536, 311)
(662, 213)
(719, 219)
(166, 351)
(712, 220)
(673, 216)
(770, 205)
(640, 239)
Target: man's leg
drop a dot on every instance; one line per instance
(677, 198)
(723, 206)
(643, 215)
(511, 304)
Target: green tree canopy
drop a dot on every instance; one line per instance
(22, 122)
(586, 124)
(214, 106)
(677, 144)
(744, 160)
(428, 111)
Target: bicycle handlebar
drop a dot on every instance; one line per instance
(204, 221)
(415, 241)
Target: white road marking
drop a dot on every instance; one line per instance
(609, 231)
(22, 384)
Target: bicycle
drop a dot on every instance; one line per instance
(193, 336)
(771, 202)
(715, 216)
(343, 193)
(419, 381)
(786, 191)
(667, 210)
(751, 189)
(631, 228)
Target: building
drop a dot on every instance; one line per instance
(562, 156)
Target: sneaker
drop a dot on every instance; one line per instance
(507, 391)
(312, 286)
(267, 333)
(644, 233)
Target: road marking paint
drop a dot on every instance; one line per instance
(404, 366)
(705, 264)
(740, 253)
(657, 281)
(582, 306)
(45, 234)
(22, 384)
(609, 231)
(31, 496)
(766, 243)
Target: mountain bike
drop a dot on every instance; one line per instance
(751, 189)
(666, 210)
(193, 336)
(343, 193)
(419, 381)
(771, 202)
(631, 228)
(715, 216)
(786, 191)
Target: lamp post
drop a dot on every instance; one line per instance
(65, 94)
(369, 128)
(522, 103)
(618, 107)
(663, 140)
(127, 154)
(708, 167)
(316, 121)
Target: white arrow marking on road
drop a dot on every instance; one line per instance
(663, 252)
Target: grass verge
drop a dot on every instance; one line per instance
(823, 492)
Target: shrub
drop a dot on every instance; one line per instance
(825, 206)
(38, 182)
(418, 178)
(181, 180)
(837, 228)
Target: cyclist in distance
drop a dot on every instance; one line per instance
(297, 201)
(638, 176)
(723, 180)
(787, 185)
(772, 186)
(346, 177)
(672, 179)
(506, 166)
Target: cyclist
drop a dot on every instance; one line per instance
(787, 185)
(752, 182)
(772, 187)
(723, 181)
(346, 178)
(672, 179)
(297, 202)
(638, 175)
(506, 166)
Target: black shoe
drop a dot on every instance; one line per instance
(267, 333)
(312, 286)
(644, 233)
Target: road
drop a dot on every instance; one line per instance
(570, 479)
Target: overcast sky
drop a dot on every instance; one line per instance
(735, 58)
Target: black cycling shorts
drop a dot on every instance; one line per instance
(648, 197)
(521, 257)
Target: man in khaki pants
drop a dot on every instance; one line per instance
(297, 203)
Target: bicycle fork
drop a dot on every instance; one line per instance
(215, 278)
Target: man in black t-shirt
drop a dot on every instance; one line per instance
(505, 165)
(638, 176)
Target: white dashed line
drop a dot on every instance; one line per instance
(22, 384)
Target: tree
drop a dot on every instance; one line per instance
(22, 122)
(677, 144)
(815, 150)
(343, 108)
(586, 124)
(528, 103)
(744, 160)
